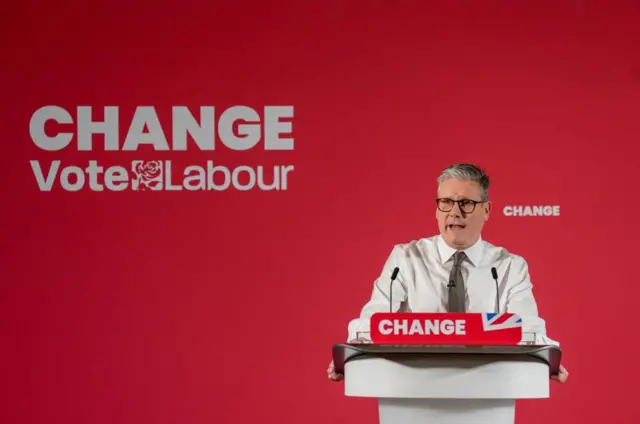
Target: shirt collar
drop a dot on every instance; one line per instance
(474, 253)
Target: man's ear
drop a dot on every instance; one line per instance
(487, 210)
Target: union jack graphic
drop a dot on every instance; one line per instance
(501, 321)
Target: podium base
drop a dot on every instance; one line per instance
(446, 411)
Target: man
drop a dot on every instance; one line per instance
(427, 265)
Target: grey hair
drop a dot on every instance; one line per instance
(467, 171)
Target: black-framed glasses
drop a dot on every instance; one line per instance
(466, 205)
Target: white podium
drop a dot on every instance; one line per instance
(446, 384)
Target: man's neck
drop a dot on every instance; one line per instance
(462, 247)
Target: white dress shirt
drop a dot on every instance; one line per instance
(421, 284)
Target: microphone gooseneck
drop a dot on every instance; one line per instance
(494, 273)
(394, 274)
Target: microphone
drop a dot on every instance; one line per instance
(494, 273)
(394, 274)
(451, 286)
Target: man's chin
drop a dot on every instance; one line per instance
(455, 240)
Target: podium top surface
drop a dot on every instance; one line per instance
(344, 352)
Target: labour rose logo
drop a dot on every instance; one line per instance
(148, 175)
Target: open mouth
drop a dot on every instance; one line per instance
(455, 226)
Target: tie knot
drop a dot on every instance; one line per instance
(458, 257)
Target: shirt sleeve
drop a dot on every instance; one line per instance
(380, 299)
(521, 301)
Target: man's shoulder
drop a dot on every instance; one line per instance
(494, 253)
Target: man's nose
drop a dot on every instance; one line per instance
(456, 211)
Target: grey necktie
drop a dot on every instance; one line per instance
(456, 285)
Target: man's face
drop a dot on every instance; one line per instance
(461, 226)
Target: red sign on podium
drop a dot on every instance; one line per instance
(446, 328)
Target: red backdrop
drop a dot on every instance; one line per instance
(194, 307)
